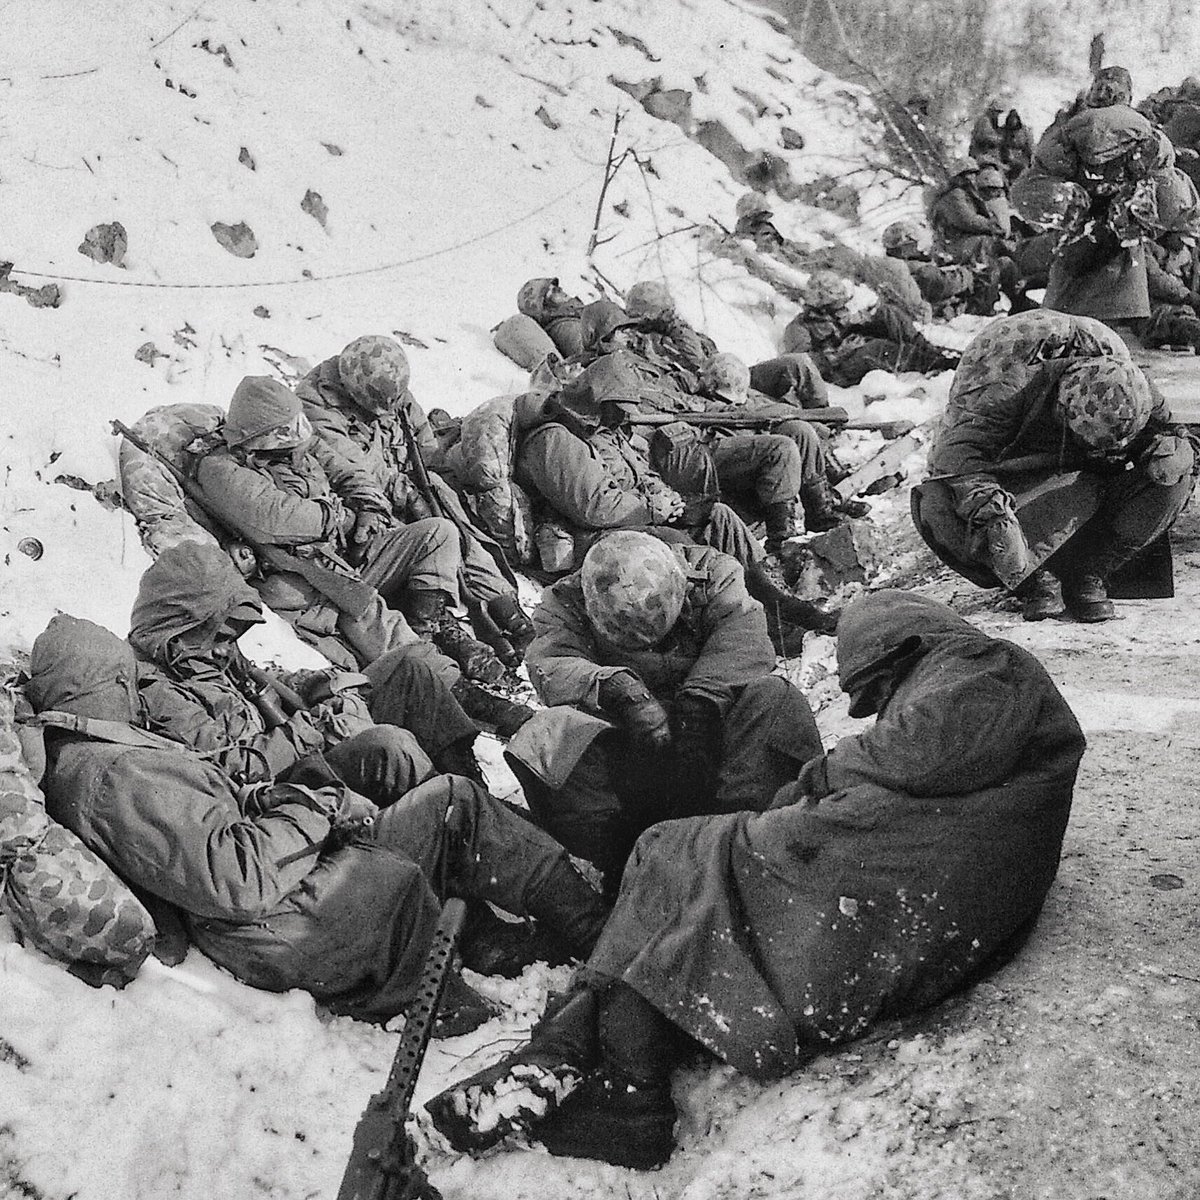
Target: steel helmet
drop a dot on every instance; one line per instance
(752, 204)
(901, 233)
(633, 589)
(1104, 403)
(374, 371)
(648, 299)
(531, 299)
(725, 375)
(826, 289)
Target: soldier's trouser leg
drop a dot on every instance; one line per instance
(469, 844)
(767, 736)
(411, 688)
(727, 532)
(687, 465)
(481, 575)
(420, 556)
(766, 464)
(612, 794)
(793, 378)
(1135, 510)
(382, 763)
(379, 630)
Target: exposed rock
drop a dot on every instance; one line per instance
(791, 139)
(247, 159)
(261, 310)
(849, 553)
(105, 243)
(48, 295)
(671, 104)
(147, 352)
(315, 207)
(545, 118)
(238, 239)
(336, 151)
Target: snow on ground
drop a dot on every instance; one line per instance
(459, 148)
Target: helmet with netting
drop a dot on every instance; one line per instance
(648, 299)
(531, 299)
(374, 371)
(1105, 403)
(752, 204)
(633, 589)
(826, 289)
(727, 376)
(901, 233)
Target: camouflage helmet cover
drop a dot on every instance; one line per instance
(727, 376)
(649, 298)
(531, 297)
(752, 204)
(374, 371)
(826, 289)
(1104, 403)
(901, 233)
(633, 589)
(600, 320)
(1111, 85)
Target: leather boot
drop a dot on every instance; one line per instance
(523, 1087)
(513, 621)
(785, 609)
(1041, 596)
(475, 660)
(423, 609)
(492, 945)
(1086, 598)
(781, 524)
(623, 1113)
(819, 502)
(569, 906)
(495, 713)
(462, 1008)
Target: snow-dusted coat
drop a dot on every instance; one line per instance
(927, 851)
(351, 926)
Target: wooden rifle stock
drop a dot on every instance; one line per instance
(833, 415)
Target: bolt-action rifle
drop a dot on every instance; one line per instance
(341, 588)
(383, 1162)
(741, 419)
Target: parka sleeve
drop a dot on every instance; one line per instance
(562, 656)
(959, 215)
(250, 503)
(174, 826)
(350, 476)
(736, 649)
(561, 469)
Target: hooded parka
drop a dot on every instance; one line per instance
(906, 859)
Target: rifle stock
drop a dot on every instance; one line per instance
(345, 592)
(382, 1162)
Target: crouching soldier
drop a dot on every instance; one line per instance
(298, 884)
(899, 866)
(360, 405)
(659, 667)
(1054, 465)
(197, 688)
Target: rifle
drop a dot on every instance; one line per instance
(833, 415)
(346, 592)
(382, 1162)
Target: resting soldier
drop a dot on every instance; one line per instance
(197, 688)
(902, 864)
(297, 884)
(846, 347)
(265, 475)
(359, 403)
(1055, 463)
(583, 465)
(663, 662)
(545, 302)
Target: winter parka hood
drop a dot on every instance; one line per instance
(881, 637)
(80, 667)
(189, 587)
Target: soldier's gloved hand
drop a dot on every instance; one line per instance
(666, 505)
(367, 523)
(626, 699)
